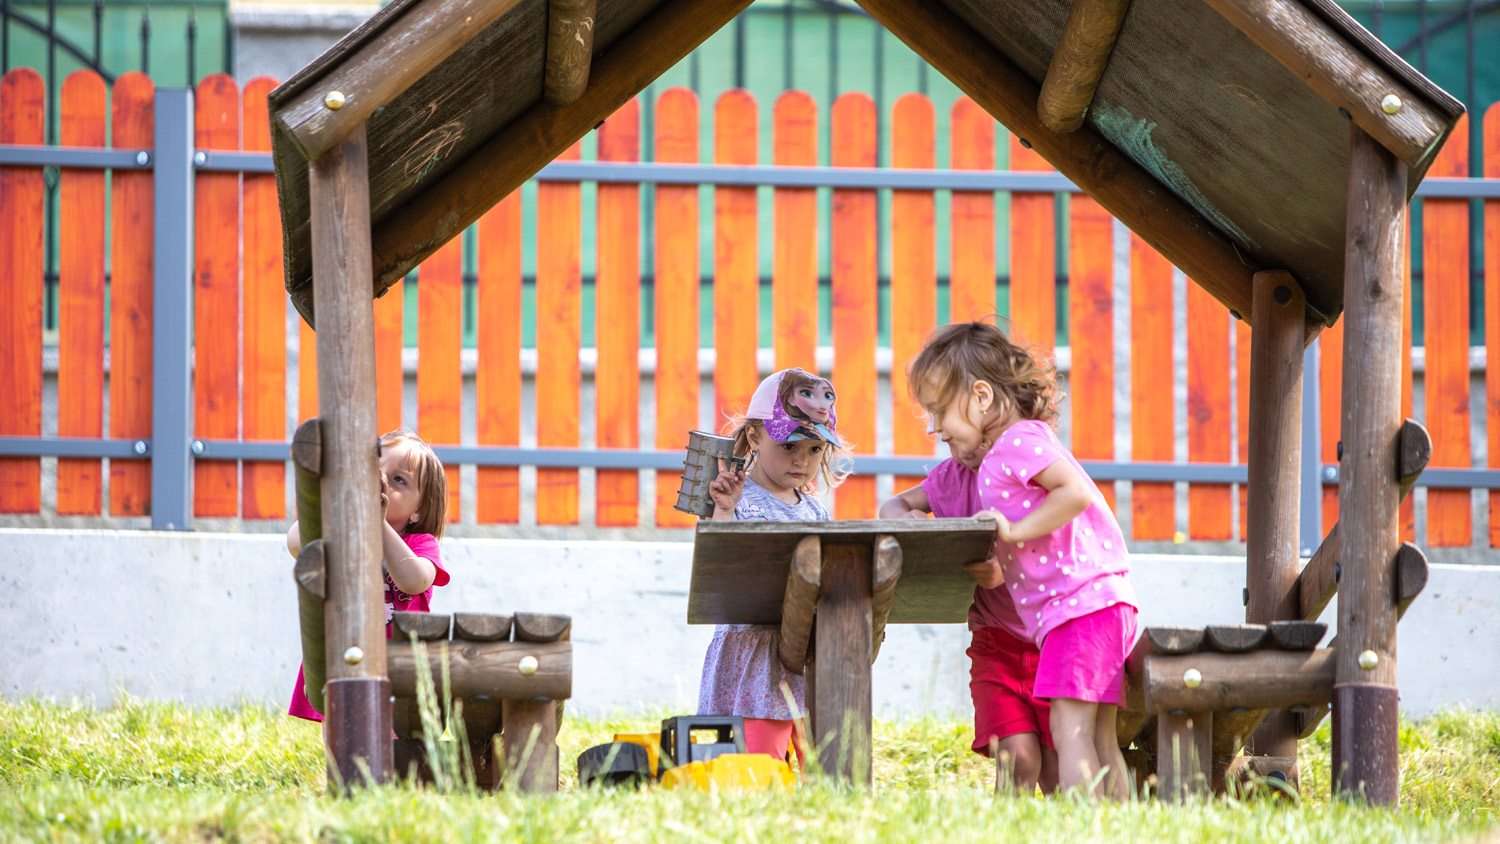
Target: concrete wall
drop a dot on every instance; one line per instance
(208, 618)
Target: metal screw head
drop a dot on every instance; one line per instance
(139, 447)
(1024, 142)
(1390, 104)
(334, 100)
(1331, 474)
(200, 158)
(1192, 678)
(354, 655)
(528, 665)
(143, 158)
(198, 447)
(1368, 660)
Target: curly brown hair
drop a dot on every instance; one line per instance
(958, 355)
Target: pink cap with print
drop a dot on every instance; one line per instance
(788, 424)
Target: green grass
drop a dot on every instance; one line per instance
(157, 772)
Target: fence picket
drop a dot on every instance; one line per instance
(1033, 256)
(80, 293)
(1330, 418)
(971, 283)
(439, 347)
(1209, 412)
(1445, 250)
(264, 482)
(855, 270)
(133, 117)
(1151, 504)
(736, 291)
(497, 380)
(21, 267)
(1242, 413)
(390, 339)
(1091, 305)
(676, 295)
(794, 270)
(1492, 311)
(216, 297)
(558, 323)
(307, 369)
(617, 376)
(913, 271)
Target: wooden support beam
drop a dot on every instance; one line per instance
(310, 572)
(415, 38)
(1077, 65)
(543, 627)
(1184, 754)
(1122, 187)
(1233, 728)
(491, 669)
(426, 626)
(1260, 680)
(481, 627)
(800, 603)
(532, 140)
(841, 721)
(570, 48)
(886, 571)
(358, 720)
(1342, 74)
(529, 744)
(1319, 579)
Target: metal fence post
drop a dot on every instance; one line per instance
(171, 335)
(1311, 531)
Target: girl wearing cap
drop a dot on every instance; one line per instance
(789, 434)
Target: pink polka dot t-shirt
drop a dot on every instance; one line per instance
(1077, 569)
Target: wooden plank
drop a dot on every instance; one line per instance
(794, 271)
(1330, 383)
(21, 285)
(1091, 306)
(1445, 305)
(497, 380)
(913, 272)
(1152, 504)
(676, 295)
(736, 288)
(1077, 64)
(390, 340)
(800, 603)
(216, 297)
(558, 326)
(740, 568)
(439, 346)
(617, 378)
(1242, 345)
(132, 118)
(841, 721)
(264, 379)
(1491, 159)
(570, 48)
(971, 134)
(1209, 412)
(481, 627)
(855, 297)
(487, 668)
(1033, 256)
(1265, 679)
(80, 293)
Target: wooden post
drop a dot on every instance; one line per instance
(358, 694)
(529, 742)
(1184, 754)
(1083, 50)
(1277, 321)
(1365, 758)
(841, 720)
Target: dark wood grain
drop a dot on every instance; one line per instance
(1411, 576)
(1174, 640)
(1184, 754)
(490, 669)
(1233, 728)
(426, 626)
(842, 719)
(481, 627)
(311, 573)
(1234, 638)
(307, 447)
(542, 627)
(529, 744)
(800, 603)
(1295, 635)
(1265, 679)
(1077, 64)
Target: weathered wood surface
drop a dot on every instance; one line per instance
(1295, 635)
(487, 668)
(1184, 754)
(1262, 680)
(1233, 728)
(1234, 638)
(886, 570)
(481, 627)
(800, 603)
(426, 626)
(570, 47)
(841, 721)
(1131, 718)
(740, 568)
(542, 627)
(1318, 582)
(1174, 640)
(1079, 61)
(307, 448)
(529, 745)
(311, 573)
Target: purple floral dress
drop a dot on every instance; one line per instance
(742, 673)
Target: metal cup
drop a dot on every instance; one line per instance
(701, 466)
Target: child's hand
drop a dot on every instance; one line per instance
(987, 573)
(385, 494)
(911, 514)
(1004, 528)
(726, 489)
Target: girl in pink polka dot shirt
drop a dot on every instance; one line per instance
(1059, 550)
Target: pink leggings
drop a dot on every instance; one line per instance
(764, 735)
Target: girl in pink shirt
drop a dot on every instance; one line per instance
(1059, 552)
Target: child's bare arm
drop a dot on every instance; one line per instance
(907, 504)
(1067, 497)
(411, 574)
(294, 540)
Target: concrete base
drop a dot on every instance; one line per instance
(211, 619)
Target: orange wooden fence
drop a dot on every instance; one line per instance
(241, 354)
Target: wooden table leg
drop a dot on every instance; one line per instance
(529, 743)
(841, 672)
(1184, 754)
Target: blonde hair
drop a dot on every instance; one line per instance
(957, 355)
(830, 469)
(432, 484)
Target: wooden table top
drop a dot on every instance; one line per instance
(740, 568)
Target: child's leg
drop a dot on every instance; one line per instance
(1047, 776)
(1116, 783)
(1073, 728)
(1024, 752)
(771, 737)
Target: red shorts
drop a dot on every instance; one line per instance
(1002, 670)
